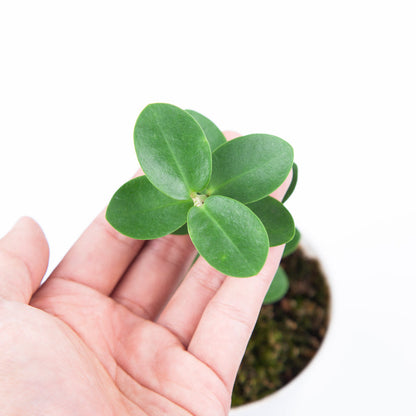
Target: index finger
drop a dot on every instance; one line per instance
(99, 258)
(224, 330)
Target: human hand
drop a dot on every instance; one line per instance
(121, 327)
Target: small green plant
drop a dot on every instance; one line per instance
(217, 191)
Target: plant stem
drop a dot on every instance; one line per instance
(198, 199)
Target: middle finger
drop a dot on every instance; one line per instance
(154, 275)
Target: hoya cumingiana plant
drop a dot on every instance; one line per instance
(198, 183)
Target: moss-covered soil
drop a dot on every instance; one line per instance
(288, 333)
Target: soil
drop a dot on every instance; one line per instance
(288, 333)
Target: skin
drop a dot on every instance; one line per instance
(121, 327)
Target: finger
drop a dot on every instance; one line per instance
(229, 134)
(98, 258)
(225, 327)
(183, 312)
(154, 275)
(226, 323)
(24, 255)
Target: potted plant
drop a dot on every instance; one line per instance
(218, 192)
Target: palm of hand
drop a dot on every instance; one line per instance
(93, 359)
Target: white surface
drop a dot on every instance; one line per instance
(336, 79)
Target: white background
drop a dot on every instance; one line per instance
(334, 78)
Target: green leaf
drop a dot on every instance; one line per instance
(276, 219)
(212, 132)
(249, 168)
(278, 287)
(183, 230)
(292, 245)
(172, 150)
(293, 182)
(229, 236)
(140, 211)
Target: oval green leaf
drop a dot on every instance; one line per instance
(140, 211)
(292, 245)
(278, 288)
(276, 219)
(172, 150)
(212, 132)
(249, 168)
(229, 236)
(293, 183)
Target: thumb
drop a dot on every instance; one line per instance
(24, 255)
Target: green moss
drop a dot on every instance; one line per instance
(288, 333)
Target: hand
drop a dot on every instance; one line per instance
(121, 327)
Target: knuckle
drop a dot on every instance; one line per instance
(207, 277)
(234, 313)
(102, 224)
(172, 250)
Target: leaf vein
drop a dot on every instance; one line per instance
(234, 178)
(227, 237)
(173, 155)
